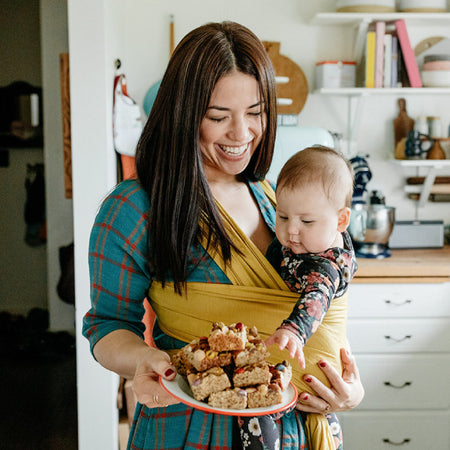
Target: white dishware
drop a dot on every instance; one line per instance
(436, 78)
(422, 6)
(365, 6)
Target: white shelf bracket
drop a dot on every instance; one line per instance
(353, 118)
(427, 185)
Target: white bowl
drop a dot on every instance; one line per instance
(436, 78)
(365, 6)
(422, 5)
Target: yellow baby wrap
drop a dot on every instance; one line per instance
(257, 297)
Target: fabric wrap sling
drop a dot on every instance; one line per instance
(257, 297)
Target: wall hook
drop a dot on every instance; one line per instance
(117, 63)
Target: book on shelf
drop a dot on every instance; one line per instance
(394, 61)
(380, 28)
(387, 60)
(370, 60)
(412, 70)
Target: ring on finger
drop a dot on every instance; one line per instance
(327, 408)
(157, 402)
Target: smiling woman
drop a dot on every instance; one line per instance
(191, 234)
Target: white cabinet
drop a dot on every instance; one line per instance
(400, 335)
(397, 430)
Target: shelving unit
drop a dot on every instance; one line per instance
(360, 22)
(433, 166)
(361, 91)
(341, 19)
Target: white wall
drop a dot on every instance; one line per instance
(139, 36)
(92, 43)
(54, 41)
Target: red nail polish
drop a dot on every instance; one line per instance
(308, 379)
(168, 372)
(305, 397)
(323, 364)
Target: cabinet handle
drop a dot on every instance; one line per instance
(390, 302)
(397, 386)
(408, 336)
(388, 441)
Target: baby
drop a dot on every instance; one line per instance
(314, 194)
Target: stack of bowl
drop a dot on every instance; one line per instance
(436, 70)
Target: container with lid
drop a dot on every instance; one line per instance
(436, 70)
(335, 74)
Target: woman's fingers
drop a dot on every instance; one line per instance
(146, 380)
(350, 372)
(312, 404)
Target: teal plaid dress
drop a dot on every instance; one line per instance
(120, 280)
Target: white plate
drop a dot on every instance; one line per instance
(179, 388)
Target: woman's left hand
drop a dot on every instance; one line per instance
(346, 391)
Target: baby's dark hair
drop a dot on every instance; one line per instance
(320, 164)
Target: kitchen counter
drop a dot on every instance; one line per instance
(412, 265)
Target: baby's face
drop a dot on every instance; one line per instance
(307, 221)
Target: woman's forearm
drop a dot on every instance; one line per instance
(121, 351)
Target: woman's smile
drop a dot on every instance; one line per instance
(233, 126)
(234, 150)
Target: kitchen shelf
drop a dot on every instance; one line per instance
(360, 22)
(433, 166)
(345, 19)
(361, 91)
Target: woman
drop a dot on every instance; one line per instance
(191, 234)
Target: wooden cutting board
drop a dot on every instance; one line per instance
(402, 124)
(296, 89)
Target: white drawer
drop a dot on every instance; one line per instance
(399, 300)
(405, 381)
(388, 430)
(399, 335)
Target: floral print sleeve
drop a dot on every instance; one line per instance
(318, 278)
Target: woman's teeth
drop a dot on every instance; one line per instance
(235, 151)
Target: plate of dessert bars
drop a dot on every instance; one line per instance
(235, 401)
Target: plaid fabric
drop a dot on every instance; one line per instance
(119, 282)
(181, 427)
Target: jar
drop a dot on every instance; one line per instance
(421, 125)
(335, 74)
(434, 126)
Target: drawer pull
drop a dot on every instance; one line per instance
(396, 386)
(390, 302)
(408, 336)
(388, 441)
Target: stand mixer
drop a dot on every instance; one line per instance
(371, 224)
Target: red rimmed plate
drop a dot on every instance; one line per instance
(179, 388)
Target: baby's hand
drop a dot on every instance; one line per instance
(288, 339)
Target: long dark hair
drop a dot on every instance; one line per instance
(168, 159)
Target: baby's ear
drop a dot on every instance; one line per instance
(343, 219)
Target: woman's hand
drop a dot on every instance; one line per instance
(150, 366)
(345, 393)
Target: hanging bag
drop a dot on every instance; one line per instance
(127, 122)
